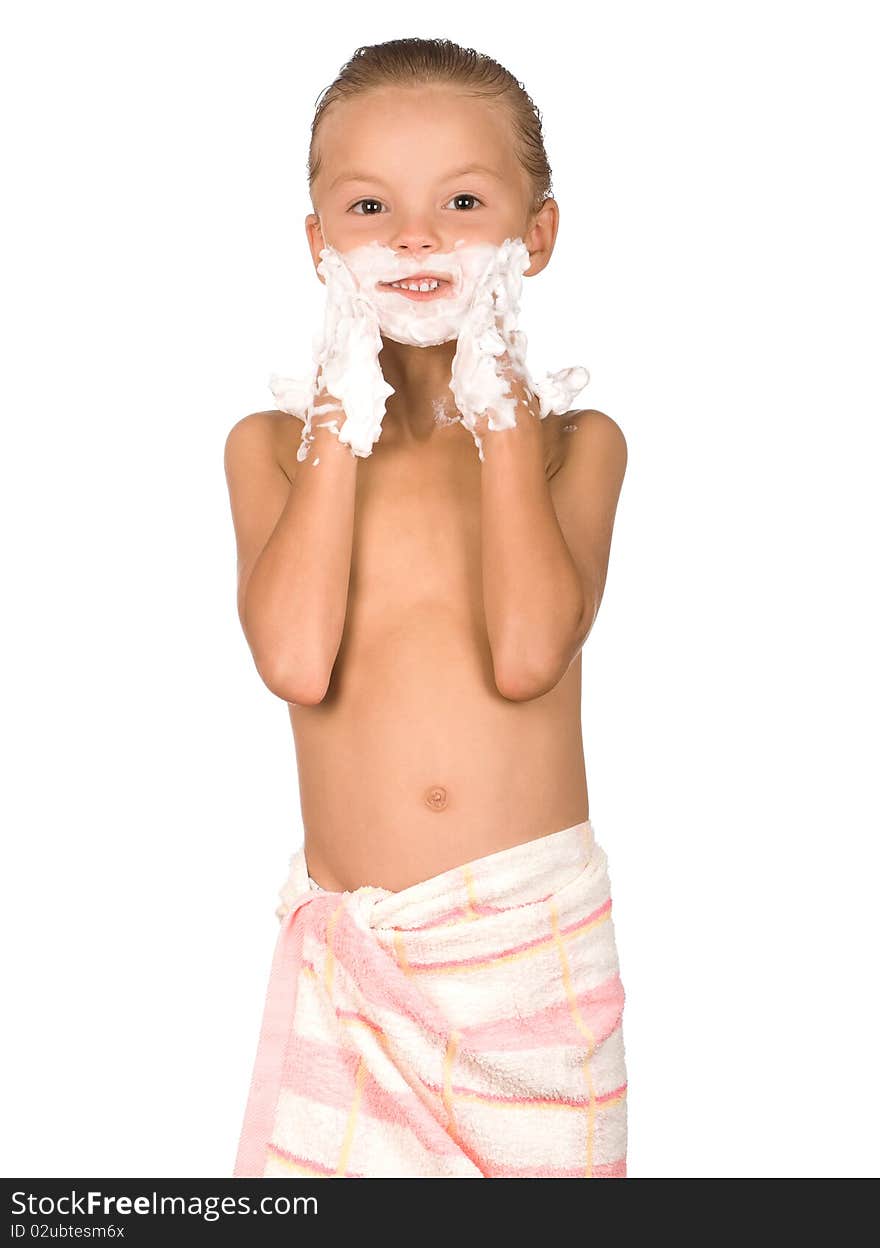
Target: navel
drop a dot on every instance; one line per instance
(435, 798)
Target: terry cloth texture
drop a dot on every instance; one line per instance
(467, 1026)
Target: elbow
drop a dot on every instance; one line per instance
(300, 678)
(525, 671)
(302, 687)
(523, 681)
(297, 692)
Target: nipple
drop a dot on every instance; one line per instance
(435, 798)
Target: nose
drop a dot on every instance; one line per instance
(415, 238)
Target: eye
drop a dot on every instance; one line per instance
(465, 195)
(365, 201)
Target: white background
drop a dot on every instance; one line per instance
(717, 272)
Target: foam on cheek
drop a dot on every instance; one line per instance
(481, 311)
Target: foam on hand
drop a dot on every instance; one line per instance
(481, 311)
(345, 365)
(488, 332)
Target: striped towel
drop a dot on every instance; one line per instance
(467, 1026)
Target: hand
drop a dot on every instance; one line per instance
(347, 389)
(513, 375)
(491, 382)
(490, 379)
(519, 390)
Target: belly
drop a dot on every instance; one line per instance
(414, 763)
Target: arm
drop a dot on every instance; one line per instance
(294, 541)
(546, 545)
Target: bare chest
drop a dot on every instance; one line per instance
(416, 540)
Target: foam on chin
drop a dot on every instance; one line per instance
(416, 323)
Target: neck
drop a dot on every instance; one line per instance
(420, 377)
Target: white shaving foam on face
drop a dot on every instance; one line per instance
(480, 311)
(419, 323)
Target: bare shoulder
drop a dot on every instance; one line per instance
(598, 423)
(594, 432)
(263, 434)
(579, 436)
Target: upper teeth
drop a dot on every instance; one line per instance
(424, 284)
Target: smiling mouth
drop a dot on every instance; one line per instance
(429, 287)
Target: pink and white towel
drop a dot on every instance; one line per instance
(467, 1026)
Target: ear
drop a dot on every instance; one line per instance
(316, 241)
(540, 237)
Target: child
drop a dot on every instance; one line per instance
(445, 997)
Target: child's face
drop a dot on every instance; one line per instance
(400, 166)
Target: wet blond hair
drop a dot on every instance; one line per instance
(412, 62)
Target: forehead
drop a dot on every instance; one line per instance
(388, 130)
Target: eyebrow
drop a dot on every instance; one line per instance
(353, 175)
